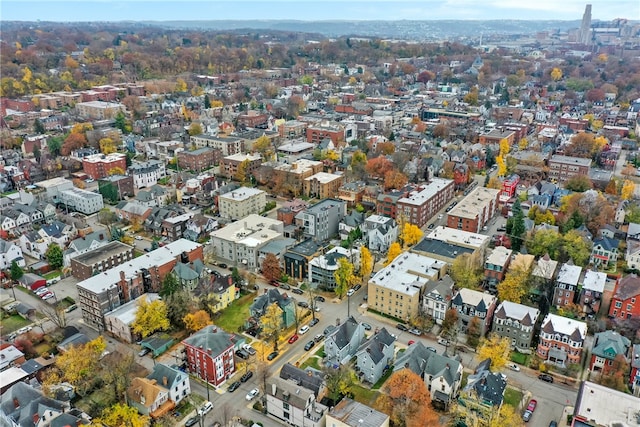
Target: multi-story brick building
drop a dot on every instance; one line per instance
(252, 119)
(292, 129)
(509, 187)
(561, 340)
(241, 202)
(322, 185)
(607, 346)
(196, 160)
(475, 210)
(320, 131)
(100, 259)
(420, 205)
(98, 166)
(229, 165)
(494, 136)
(566, 285)
(99, 110)
(295, 173)
(387, 203)
(352, 192)
(108, 290)
(563, 168)
(210, 354)
(226, 145)
(517, 323)
(625, 303)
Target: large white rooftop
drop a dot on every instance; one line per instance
(296, 146)
(564, 325)
(300, 166)
(407, 269)
(251, 230)
(101, 282)
(459, 237)
(425, 193)
(242, 193)
(241, 157)
(594, 281)
(323, 177)
(499, 256)
(569, 274)
(102, 158)
(518, 311)
(475, 202)
(606, 406)
(471, 297)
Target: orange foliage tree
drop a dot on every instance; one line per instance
(73, 142)
(379, 166)
(406, 400)
(394, 179)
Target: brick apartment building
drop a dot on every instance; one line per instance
(424, 202)
(494, 136)
(98, 166)
(318, 132)
(197, 160)
(625, 303)
(210, 354)
(561, 340)
(563, 168)
(322, 185)
(229, 165)
(100, 259)
(475, 210)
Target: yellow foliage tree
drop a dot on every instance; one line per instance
(556, 74)
(394, 250)
(596, 125)
(495, 348)
(81, 128)
(502, 166)
(151, 316)
(628, 188)
(271, 324)
(241, 173)
(196, 321)
(514, 286)
(195, 129)
(263, 146)
(181, 85)
(107, 146)
(27, 75)
(116, 171)
(366, 263)
(504, 147)
(333, 155)
(344, 276)
(494, 183)
(506, 416)
(523, 144)
(411, 234)
(217, 104)
(120, 415)
(197, 91)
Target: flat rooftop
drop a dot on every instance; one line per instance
(570, 160)
(323, 177)
(499, 256)
(102, 253)
(407, 269)
(425, 192)
(251, 227)
(459, 237)
(476, 201)
(242, 193)
(296, 147)
(126, 313)
(241, 157)
(607, 407)
(300, 166)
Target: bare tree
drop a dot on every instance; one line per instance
(116, 374)
(263, 372)
(55, 313)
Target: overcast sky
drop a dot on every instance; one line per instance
(166, 10)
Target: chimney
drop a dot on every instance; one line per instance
(16, 403)
(36, 418)
(165, 381)
(274, 388)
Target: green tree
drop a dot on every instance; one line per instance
(207, 101)
(578, 183)
(340, 381)
(235, 276)
(38, 127)
(36, 153)
(515, 226)
(54, 256)
(54, 144)
(545, 241)
(170, 285)
(466, 271)
(576, 247)
(15, 272)
(151, 316)
(344, 277)
(195, 129)
(121, 123)
(179, 304)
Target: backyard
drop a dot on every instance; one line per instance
(236, 314)
(11, 323)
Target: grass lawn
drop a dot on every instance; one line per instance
(512, 397)
(383, 378)
(311, 362)
(12, 323)
(465, 376)
(364, 395)
(235, 314)
(52, 275)
(520, 358)
(320, 352)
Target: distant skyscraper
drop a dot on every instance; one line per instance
(584, 36)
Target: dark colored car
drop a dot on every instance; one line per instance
(314, 322)
(319, 298)
(233, 387)
(242, 354)
(545, 377)
(247, 375)
(222, 265)
(402, 327)
(192, 421)
(357, 287)
(297, 291)
(431, 226)
(272, 355)
(366, 326)
(285, 286)
(308, 346)
(303, 304)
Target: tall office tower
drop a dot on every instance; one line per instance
(584, 36)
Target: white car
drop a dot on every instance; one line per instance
(514, 367)
(42, 290)
(253, 393)
(206, 408)
(47, 296)
(138, 238)
(24, 330)
(303, 330)
(350, 292)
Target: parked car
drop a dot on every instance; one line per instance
(285, 286)
(253, 393)
(514, 367)
(402, 327)
(293, 338)
(246, 377)
(366, 326)
(546, 377)
(297, 291)
(205, 408)
(144, 352)
(222, 265)
(432, 349)
(24, 330)
(303, 304)
(529, 411)
(443, 341)
(314, 322)
(553, 424)
(192, 421)
(318, 338)
(431, 226)
(411, 342)
(275, 283)
(242, 354)
(415, 331)
(47, 296)
(41, 290)
(308, 346)
(350, 292)
(357, 287)
(501, 229)
(71, 308)
(319, 298)
(303, 330)
(138, 238)
(249, 349)
(234, 386)
(272, 355)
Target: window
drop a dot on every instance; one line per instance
(628, 307)
(618, 304)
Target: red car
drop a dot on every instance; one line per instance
(293, 339)
(274, 283)
(530, 408)
(411, 342)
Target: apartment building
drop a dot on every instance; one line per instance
(86, 202)
(295, 173)
(496, 265)
(420, 205)
(561, 340)
(625, 303)
(100, 259)
(210, 354)
(397, 289)
(475, 210)
(566, 285)
(146, 174)
(241, 202)
(196, 160)
(517, 323)
(99, 166)
(321, 221)
(229, 165)
(322, 268)
(494, 136)
(437, 298)
(334, 131)
(99, 110)
(322, 185)
(226, 145)
(563, 168)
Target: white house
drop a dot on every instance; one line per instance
(293, 404)
(437, 296)
(9, 253)
(380, 232)
(343, 342)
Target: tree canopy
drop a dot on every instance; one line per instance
(495, 348)
(151, 316)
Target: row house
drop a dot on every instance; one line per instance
(604, 253)
(210, 354)
(607, 346)
(561, 340)
(496, 266)
(469, 304)
(147, 174)
(590, 296)
(625, 303)
(566, 285)
(516, 322)
(437, 297)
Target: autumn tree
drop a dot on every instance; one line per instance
(271, 267)
(576, 247)
(449, 324)
(340, 381)
(495, 348)
(628, 189)
(116, 371)
(407, 401)
(543, 242)
(195, 128)
(181, 85)
(366, 263)
(151, 316)
(73, 142)
(506, 416)
(411, 234)
(556, 74)
(179, 303)
(241, 172)
(271, 324)
(466, 271)
(616, 377)
(474, 332)
(107, 146)
(344, 277)
(119, 415)
(394, 251)
(378, 167)
(394, 179)
(116, 170)
(515, 285)
(196, 321)
(578, 183)
(582, 144)
(358, 164)
(54, 256)
(590, 207)
(264, 146)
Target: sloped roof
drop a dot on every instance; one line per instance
(162, 371)
(606, 243)
(343, 333)
(213, 338)
(476, 299)
(524, 314)
(308, 378)
(488, 386)
(21, 402)
(144, 391)
(376, 344)
(563, 325)
(627, 287)
(609, 344)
